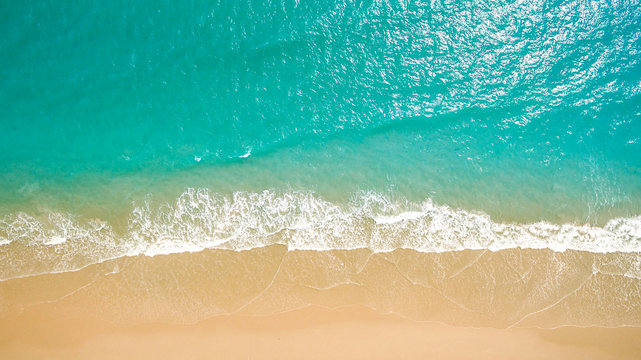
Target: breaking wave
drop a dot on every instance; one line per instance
(199, 219)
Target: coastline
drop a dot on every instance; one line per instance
(480, 288)
(199, 219)
(275, 303)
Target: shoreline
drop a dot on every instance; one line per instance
(507, 288)
(273, 303)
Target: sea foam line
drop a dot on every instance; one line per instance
(303, 220)
(199, 219)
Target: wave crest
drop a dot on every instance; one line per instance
(200, 219)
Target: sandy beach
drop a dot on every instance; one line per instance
(271, 303)
(311, 333)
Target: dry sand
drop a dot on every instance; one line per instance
(311, 333)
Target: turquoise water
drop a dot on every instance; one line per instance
(527, 111)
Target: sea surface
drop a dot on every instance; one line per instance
(159, 127)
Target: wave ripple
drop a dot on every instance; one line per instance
(199, 219)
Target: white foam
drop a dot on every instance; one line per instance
(53, 243)
(199, 219)
(55, 240)
(409, 215)
(301, 220)
(247, 154)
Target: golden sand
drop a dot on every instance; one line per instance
(271, 303)
(309, 333)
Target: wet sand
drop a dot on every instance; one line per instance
(271, 303)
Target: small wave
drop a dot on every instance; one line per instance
(246, 154)
(55, 240)
(410, 215)
(200, 219)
